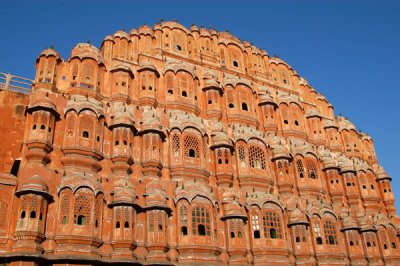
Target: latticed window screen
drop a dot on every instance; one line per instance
(272, 225)
(160, 220)
(219, 156)
(382, 236)
(118, 217)
(65, 206)
(317, 229)
(300, 168)
(300, 233)
(3, 214)
(151, 221)
(312, 169)
(256, 158)
(200, 221)
(97, 210)
(330, 233)
(392, 237)
(34, 204)
(82, 208)
(242, 154)
(127, 215)
(170, 83)
(226, 155)
(176, 144)
(254, 222)
(191, 143)
(183, 216)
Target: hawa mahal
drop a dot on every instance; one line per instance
(170, 145)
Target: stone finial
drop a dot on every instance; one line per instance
(175, 20)
(162, 20)
(88, 41)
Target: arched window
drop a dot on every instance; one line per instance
(151, 220)
(317, 232)
(231, 105)
(255, 225)
(235, 63)
(33, 215)
(300, 168)
(242, 156)
(184, 93)
(23, 214)
(85, 134)
(257, 158)
(272, 225)
(244, 107)
(201, 221)
(183, 220)
(82, 210)
(330, 233)
(312, 169)
(81, 220)
(176, 144)
(191, 147)
(117, 224)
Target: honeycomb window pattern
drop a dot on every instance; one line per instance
(3, 214)
(176, 144)
(257, 158)
(82, 208)
(312, 169)
(191, 147)
(65, 205)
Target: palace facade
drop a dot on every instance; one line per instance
(171, 146)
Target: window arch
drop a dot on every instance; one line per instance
(311, 169)
(191, 147)
(201, 221)
(272, 225)
(300, 168)
(176, 145)
(255, 225)
(183, 215)
(317, 232)
(257, 158)
(82, 210)
(242, 156)
(330, 233)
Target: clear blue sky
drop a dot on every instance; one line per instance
(348, 50)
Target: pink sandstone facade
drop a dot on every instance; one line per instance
(184, 146)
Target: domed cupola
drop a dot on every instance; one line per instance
(47, 65)
(35, 185)
(122, 116)
(151, 122)
(86, 50)
(219, 137)
(297, 217)
(280, 149)
(156, 196)
(232, 207)
(123, 193)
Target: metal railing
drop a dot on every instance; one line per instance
(14, 83)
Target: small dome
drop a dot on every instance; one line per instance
(108, 38)
(35, 184)
(194, 28)
(134, 32)
(43, 103)
(146, 30)
(297, 217)
(330, 123)
(86, 50)
(157, 27)
(155, 194)
(121, 34)
(204, 32)
(344, 123)
(50, 52)
(313, 113)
